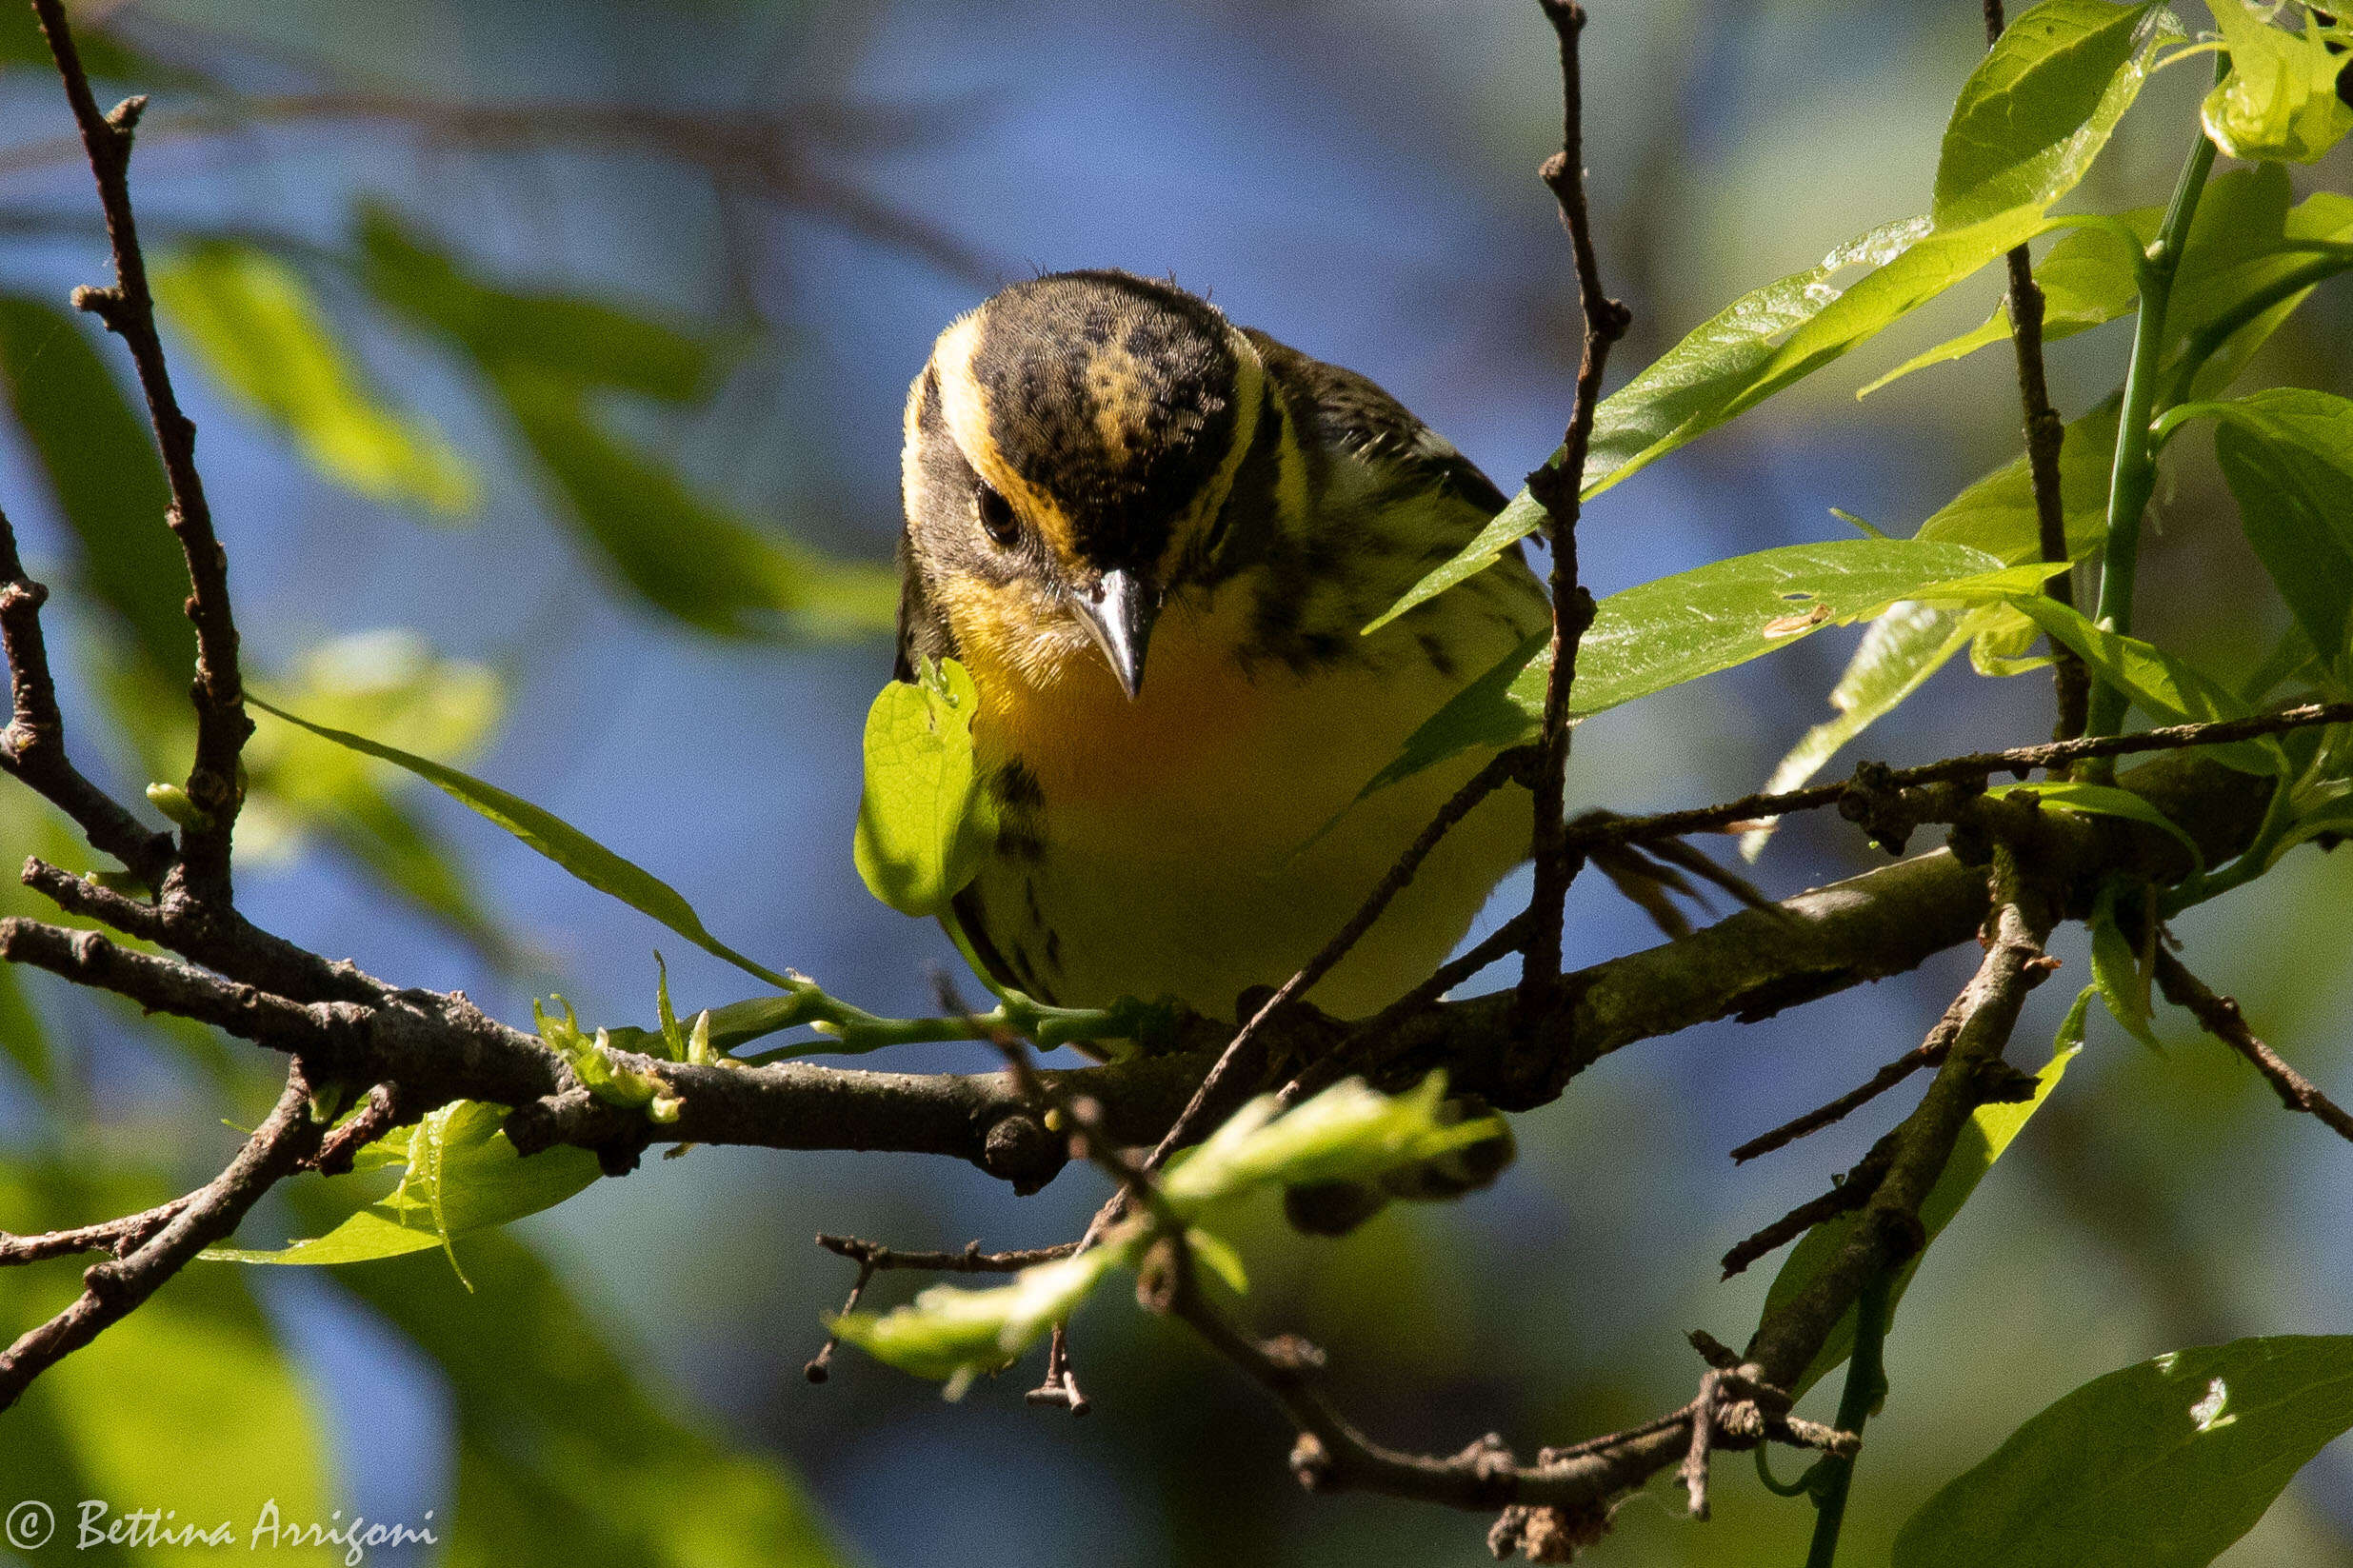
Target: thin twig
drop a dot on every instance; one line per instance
(1556, 487)
(113, 1289)
(2221, 1018)
(2045, 435)
(1926, 1054)
(1854, 1190)
(1975, 765)
(33, 746)
(128, 311)
(116, 1235)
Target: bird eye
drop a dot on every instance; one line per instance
(996, 515)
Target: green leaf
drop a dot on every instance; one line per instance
(2287, 455)
(2103, 801)
(2039, 107)
(2160, 1465)
(923, 822)
(1772, 337)
(1348, 1133)
(2279, 100)
(568, 1449)
(1988, 1132)
(1900, 650)
(460, 1175)
(257, 327)
(1996, 514)
(1678, 628)
(100, 463)
(2167, 687)
(953, 1335)
(552, 837)
(2119, 975)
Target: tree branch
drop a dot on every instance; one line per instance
(128, 311)
(2220, 1017)
(1556, 487)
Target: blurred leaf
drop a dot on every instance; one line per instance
(545, 356)
(256, 325)
(565, 1454)
(185, 1406)
(387, 683)
(923, 823)
(99, 459)
(552, 837)
(2287, 455)
(460, 1175)
(21, 1034)
(2160, 1465)
(1898, 651)
(102, 56)
(2119, 975)
(678, 552)
(2040, 107)
(952, 1335)
(1662, 633)
(1989, 1130)
(2279, 100)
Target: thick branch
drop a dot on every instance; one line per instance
(128, 311)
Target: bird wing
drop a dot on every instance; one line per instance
(1353, 415)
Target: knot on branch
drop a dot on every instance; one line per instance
(124, 117)
(1019, 1149)
(104, 301)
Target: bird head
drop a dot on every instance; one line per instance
(1070, 446)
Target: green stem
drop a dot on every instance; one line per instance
(1866, 1383)
(2133, 476)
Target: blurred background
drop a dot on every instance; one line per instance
(549, 362)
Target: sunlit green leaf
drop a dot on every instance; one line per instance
(1989, 1130)
(1900, 651)
(924, 822)
(2165, 686)
(255, 324)
(954, 1335)
(460, 1175)
(2039, 107)
(552, 837)
(1996, 514)
(1774, 336)
(2160, 1465)
(1662, 633)
(100, 463)
(1348, 1133)
(2279, 100)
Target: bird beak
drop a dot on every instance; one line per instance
(1118, 613)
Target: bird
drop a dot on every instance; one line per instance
(1153, 539)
